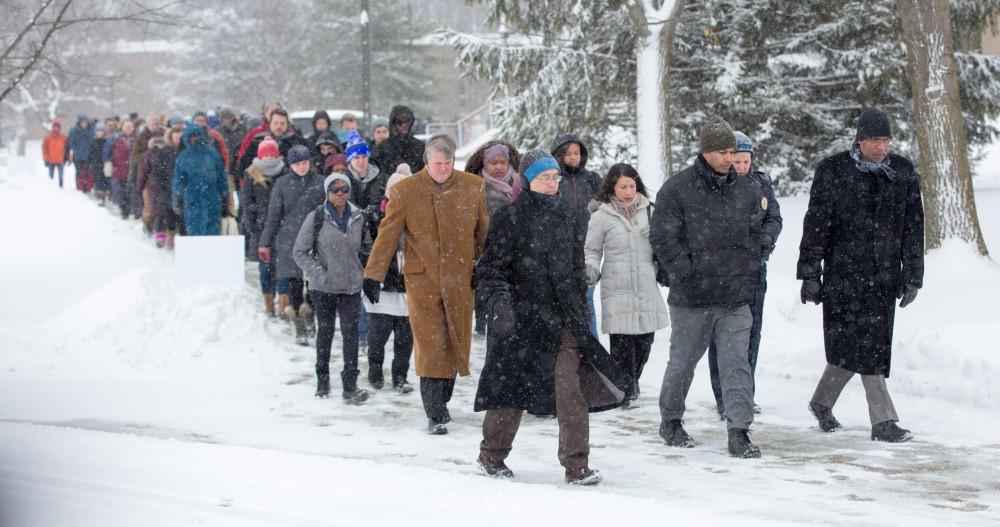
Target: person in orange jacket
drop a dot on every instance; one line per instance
(54, 150)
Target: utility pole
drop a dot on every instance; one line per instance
(366, 67)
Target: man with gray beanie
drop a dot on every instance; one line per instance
(706, 232)
(862, 248)
(745, 165)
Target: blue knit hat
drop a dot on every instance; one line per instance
(356, 146)
(743, 143)
(535, 162)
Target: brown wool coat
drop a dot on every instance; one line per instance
(444, 229)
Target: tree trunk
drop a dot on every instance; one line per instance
(667, 57)
(946, 179)
(654, 29)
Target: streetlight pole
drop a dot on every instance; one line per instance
(366, 68)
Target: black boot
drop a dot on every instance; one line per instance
(401, 386)
(827, 422)
(673, 434)
(494, 469)
(437, 427)
(740, 445)
(375, 377)
(351, 394)
(889, 432)
(323, 385)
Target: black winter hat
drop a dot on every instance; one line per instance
(717, 135)
(297, 154)
(873, 123)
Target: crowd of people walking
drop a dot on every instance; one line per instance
(386, 235)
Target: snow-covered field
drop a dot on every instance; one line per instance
(127, 401)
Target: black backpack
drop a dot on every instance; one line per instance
(319, 215)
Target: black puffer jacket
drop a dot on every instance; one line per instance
(706, 232)
(399, 148)
(578, 185)
(311, 140)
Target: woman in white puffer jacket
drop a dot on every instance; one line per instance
(632, 308)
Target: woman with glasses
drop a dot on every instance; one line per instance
(332, 248)
(543, 359)
(618, 253)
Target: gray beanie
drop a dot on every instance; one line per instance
(297, 154)
(717, 135)
(336, 176)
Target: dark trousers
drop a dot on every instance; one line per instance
(296, 295)
(120, 196)
(435, 394)
(757, 312)
(53, 167)
(379, 328)
(500, 425)
(84, 178)
(328, 306)
(631, 352)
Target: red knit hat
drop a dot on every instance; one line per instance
(268, 148)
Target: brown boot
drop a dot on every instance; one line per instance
(269, 304)
(283, 305)
(306, 312)
(170, 239)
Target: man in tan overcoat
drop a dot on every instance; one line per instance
(441, 214)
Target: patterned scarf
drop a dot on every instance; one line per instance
(626, 209)
(867, 166)
(510, 185)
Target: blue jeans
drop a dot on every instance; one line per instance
(54, 166)
(266, 277)
(757, 312)
(593, 315)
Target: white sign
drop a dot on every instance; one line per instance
(209, 261)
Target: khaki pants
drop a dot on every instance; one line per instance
(880, 407)
(500, 425)
(147, 210)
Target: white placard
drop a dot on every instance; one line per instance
(209, 261)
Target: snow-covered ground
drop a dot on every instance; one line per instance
(127, 401)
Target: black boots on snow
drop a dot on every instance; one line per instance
(323, 386)
(436, 427)
(352, 394)
(673, 434)
(586, 476)
(740, 444)
(824, 415)
(497, 469)
(375, 377)
(889, 432)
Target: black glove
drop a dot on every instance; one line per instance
(372, 289)
(907, 294)
(811, 291)
(503, 318)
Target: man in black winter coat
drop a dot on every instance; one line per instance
(862, 248)
(743, 162)
(278, 129)
(706, 232)
(401, 146)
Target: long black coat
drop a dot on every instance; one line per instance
(535, 263)
(864, 235)
(578, 185)
(292, 199)
(399, 148)
(706, 232)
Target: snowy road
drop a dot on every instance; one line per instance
(126, 401)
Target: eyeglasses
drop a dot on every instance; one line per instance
(549, 179)
(339, 190)
(880, 140)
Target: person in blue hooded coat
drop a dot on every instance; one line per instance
(200, 180)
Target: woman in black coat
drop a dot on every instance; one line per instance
(541, 356)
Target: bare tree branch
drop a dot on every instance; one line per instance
(20, 36)
(39, 51)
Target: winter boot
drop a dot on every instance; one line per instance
(740, 445)
(402, 387)
(494, 469)
(161, 239)
(673, 434)
(269, 304)
(309, 316)
(827, 422)
(586, 476)
(436, 427)
(889, 432)
(283, 305)
(375, 376)
(351, 394)
(323, 385)
(301, 335)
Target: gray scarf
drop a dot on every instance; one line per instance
(269, 167)
(867, 166)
